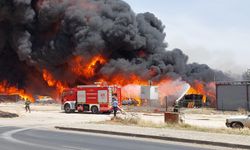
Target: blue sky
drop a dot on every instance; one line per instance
(214, 32)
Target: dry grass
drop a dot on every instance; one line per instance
(205, 111)
(134, 120)
(242, 111)
(245, 131)
(212, 111)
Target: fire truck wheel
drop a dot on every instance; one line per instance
(94, 109)
(67, 108)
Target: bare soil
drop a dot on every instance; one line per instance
(50, 115)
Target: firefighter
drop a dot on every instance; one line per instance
(27, 105)
(176, 107)
(115, 104)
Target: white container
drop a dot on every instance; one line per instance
(149, 93)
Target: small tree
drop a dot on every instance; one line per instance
(246, 75)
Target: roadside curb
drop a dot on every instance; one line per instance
(229, 145)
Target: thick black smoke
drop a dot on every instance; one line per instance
(47, 34)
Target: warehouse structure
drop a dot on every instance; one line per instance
(233, 95)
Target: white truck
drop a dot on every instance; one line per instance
(238, 121)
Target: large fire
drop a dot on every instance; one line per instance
(12, 90)
(132, 91)
(86, 41)
(207, 90)
(52, 82)
(172, 89)
(81, 68)
(131, 83)
(123, 80)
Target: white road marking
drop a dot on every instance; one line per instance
(9, 137)
(74, 148)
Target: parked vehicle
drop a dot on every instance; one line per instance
(94, 98)
(238, 122)
(44, 100)
(130, 101)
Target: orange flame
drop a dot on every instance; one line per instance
(11, 90)
(198, 88)
(122, 80)
(201, 88)
(52, 82)
(131, 91)
(87, 69)
(131, 85)
(166, 87)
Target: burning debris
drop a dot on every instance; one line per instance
(6, 90)
(63, 43)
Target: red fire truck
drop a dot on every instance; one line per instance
(94, 98)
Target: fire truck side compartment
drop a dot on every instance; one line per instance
(81, 96)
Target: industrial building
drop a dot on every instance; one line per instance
(233, 95)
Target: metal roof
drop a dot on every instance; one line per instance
(232, 82)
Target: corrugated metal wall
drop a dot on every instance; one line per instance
(232, 97)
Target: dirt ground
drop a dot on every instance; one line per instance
(45, 116)
(51, 115)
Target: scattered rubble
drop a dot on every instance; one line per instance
(7, 115)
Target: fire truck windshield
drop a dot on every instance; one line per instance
(65, 93)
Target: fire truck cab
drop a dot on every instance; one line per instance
(94, 98)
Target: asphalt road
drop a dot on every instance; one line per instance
(13, 138)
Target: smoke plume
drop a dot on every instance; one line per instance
(48, 34)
